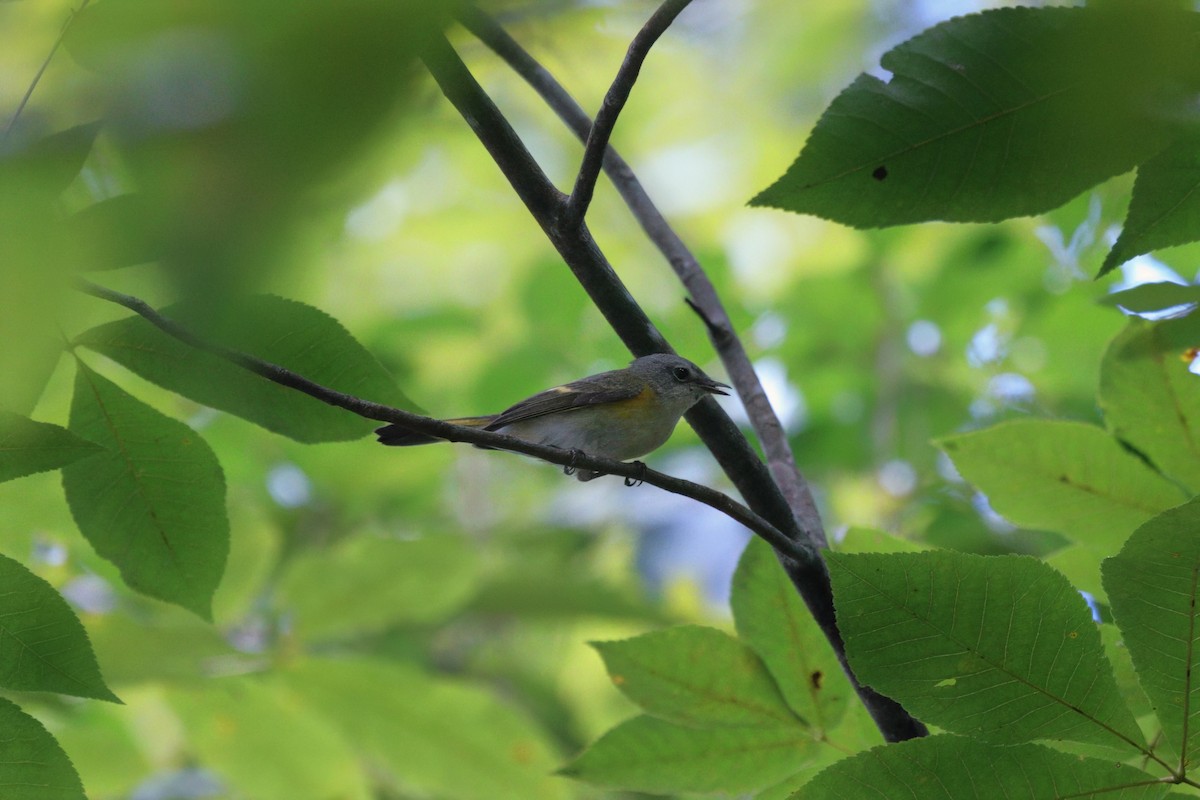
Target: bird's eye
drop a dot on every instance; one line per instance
(681, 373)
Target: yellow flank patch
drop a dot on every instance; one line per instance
(636, 404)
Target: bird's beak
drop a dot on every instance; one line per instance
(714, 387)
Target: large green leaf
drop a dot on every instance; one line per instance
(696, 676)
(43, 646)
(998, 647)
(647, 754)
(1005, 113)
(153, 502)
(1062, 476)
(27, 447)
(284, 332)
(1151, 400)
(773, 620)
(32, 765)
(433, 737)
(954, 768)
(266, 745)
(1165, 210)
(1153, 590)
(367, 583)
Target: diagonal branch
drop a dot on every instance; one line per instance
(448, 431)
(704, 299)
(722, 437)
(610, 109)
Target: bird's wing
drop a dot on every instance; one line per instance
(607, 387)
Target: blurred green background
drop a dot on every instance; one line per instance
(413, 623)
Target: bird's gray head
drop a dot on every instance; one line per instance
(677, 381)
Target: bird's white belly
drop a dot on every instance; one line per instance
(597, 431)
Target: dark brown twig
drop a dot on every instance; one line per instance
(610, 108)
(704, 298)
(444, 430)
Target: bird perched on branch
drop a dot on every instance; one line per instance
(622, 414)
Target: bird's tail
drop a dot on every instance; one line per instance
(399, 436)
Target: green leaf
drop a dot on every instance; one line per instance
(1152, 587)
(154, 502)
(1062, 476)
(870, 540)
(49, 165)
(32, 765)
(366, 583)
(432, 737)
(1147, 297)
(43, 646)
(1151, 400)
(117, 232)
(645, 754)
(99, 739)
(1005, 113)
(1165, 209)
(773, 620)
(267, 745)
(998, 647)
(544, 593)
(953, 768)
(168, 644)
(290, 334)
(696, 676)
(27, 447)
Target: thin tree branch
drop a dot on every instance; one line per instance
(727, 444)
(610, 108)
(448, 431)
(704, 298)
(62, 34)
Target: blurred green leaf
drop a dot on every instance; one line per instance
(434, 737)
(166, 645)
(991, 646)
(28, 447)
(1080, 564)
(646, 754)
(52, 163)
(32, 765)
(970, 768)
(541, 593)
(117, 232)
(980, 119)
(868, 540)
(1152, 401)
(1062, 476)
(367, 583)
(1147, 297)
(154, 502)
(206, 99)
(1151, 585)
(773, 620)
(696, 676)
(265, 744)
(290, 334)
(1166, 206)
(43, 646)
(101, 744)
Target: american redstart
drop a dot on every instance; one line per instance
(622, 414)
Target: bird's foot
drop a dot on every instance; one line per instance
(640, 478)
